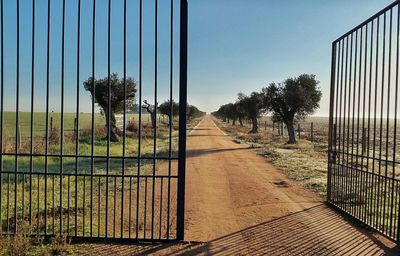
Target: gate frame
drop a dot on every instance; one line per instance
(183, 58)
(180, 219)
(332, 131)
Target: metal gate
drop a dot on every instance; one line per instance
(86, 149)
(363, 177)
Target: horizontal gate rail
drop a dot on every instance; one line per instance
(84, 152)
(363, 160)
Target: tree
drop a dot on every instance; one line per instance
(193, 112)
(122, 96)
(253, 106)
(222, 113)
(166, 107)
(292, 100)
(151, 109)
(240, 113)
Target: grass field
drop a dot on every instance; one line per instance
(91, 203)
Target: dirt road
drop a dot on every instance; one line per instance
(238, 204)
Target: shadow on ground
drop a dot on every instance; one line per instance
(293, 234)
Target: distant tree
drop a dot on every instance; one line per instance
(193, 112)
(152, 110)
(166, 107)
(240, 113)
(232, 113)
(292, 100)
(114, 102)
(222, 113)
(253, 106)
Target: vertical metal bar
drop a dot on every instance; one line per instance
(353, 101)
(341, 149)
(145, 208)
(108, 110)
(374, 125)
(364, 136)
(342, 126)
(47, 114)
(115, 204)
(359, 171)
(374, 94)
(387, 117)
(93, 116)
(395, 128)
(155, 114)
(171, 114)
(338, 91)
(53, 205)
(16, 120)
(182, 119)
(161, 206)
(77, 114)
(140, 116)
(98, 207)
(62, 118)
(124, 131)
(371, 174)
(130, 207)
(379, 219)
(2, 113)
(32, 111)
(38, 205)
(347, 136)
(332, 99)
(83, 205)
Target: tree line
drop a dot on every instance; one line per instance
(114, 95)
(287, 102)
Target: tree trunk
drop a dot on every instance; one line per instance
(153, 119)
(255, 125)
(233, 121)
(291, 133)
(240, 122)
(113, 128)
(227, 121)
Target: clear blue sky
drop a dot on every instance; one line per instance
(234, 46)
(242, 45)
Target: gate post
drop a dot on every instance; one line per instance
(180, 225)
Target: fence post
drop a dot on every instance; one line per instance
(273, 126)
(51, 123)
(265, 125)
(282, 129)
(312, 131)
(298, 129)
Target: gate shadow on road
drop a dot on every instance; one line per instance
(199, 152)
(314, 231)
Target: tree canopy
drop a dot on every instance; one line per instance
(292, 100)
(287, 102)
(112, 94)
